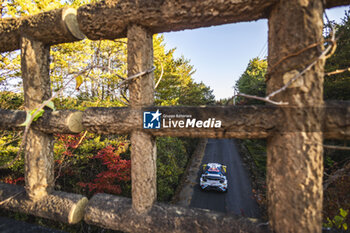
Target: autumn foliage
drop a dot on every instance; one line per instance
(69, 142)
(10, 180)
(117, 170)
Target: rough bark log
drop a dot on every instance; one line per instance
(112, 120)
(335, 3)
(116, 213)
(50, 27)
(58, 206)
(295, 159)
(62, 121)
(110, 19)
(10, 119)
(337, 120)
(144, 151)
(39, 173)
(237, 121)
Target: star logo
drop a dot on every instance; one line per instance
(151, 120)
(156, 115)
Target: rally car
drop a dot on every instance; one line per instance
(213, 177)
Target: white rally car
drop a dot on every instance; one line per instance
(213, 177)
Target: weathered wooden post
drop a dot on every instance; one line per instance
(143, 151)
(34, 35)
(295, 160)
(39, 170)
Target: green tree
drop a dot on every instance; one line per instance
(171, 161)
(336, 87)
(108, 61)
(177, 86)
(252, 81)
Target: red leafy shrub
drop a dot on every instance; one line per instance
(10, 180)
(69, 142)
(117, 171)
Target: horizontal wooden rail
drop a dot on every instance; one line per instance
(236, 121)
(336, 123)
(63, 121)
(59, 206)
(116, 213)
(109, 20)
(335, 3)
(50, 27)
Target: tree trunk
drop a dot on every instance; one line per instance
(295, 160)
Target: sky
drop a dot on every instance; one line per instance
(220, 54)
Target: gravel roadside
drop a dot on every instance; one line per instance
(184, 191)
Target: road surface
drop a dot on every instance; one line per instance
(238, 198)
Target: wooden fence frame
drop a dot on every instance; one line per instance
(294, 134)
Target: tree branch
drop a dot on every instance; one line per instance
(136, 76)
(329, 51)
(336, 147)
(161, 76)
(339, 173)
(337, 71)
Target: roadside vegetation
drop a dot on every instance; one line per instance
(88, 163)
(336, 205)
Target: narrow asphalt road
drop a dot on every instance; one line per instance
(239, 197)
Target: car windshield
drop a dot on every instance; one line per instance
(214, 172)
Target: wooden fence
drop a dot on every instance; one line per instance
(294, 134)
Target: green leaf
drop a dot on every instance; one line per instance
(345, 226)
(343, 213)
(38, 114)
(51, 105)
(337, 220)
(30, 114)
